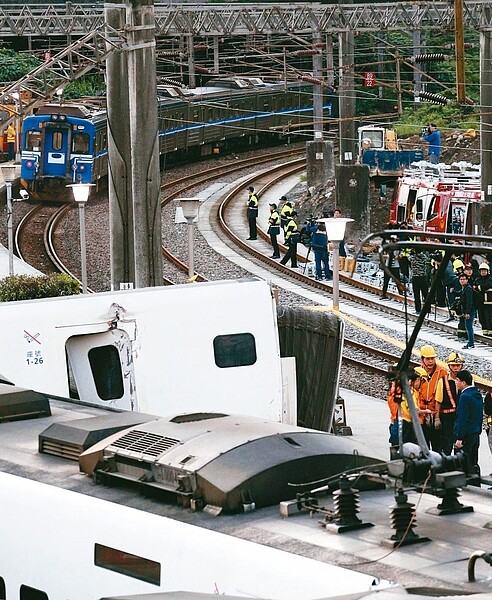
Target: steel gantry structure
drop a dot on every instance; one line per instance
(78, 19)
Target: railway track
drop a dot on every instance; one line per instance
(226, 221)
(351, 288)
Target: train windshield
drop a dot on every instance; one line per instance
(80, 143)
(372, 138)
(33, 140)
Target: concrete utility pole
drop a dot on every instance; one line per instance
(134, 177)
(317, 89)
(346, 95)
(319, 153)
(459, 44)
(418, 44)
(486, 106)
(190, 43)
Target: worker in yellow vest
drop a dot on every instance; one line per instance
(11, 141)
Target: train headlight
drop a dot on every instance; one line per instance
(63, 117)
(54, 117)
(82, 168)
(29, 164)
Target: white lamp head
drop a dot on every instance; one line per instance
(190, 207)
(81, 191)
(9, 173)
(335, 228)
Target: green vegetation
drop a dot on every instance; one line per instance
(14, 65)
(88, 85)
(30, 287)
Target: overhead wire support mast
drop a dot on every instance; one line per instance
(460, 52)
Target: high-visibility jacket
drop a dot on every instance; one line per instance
(405, 410)
(290, 229)
(274, 219)
(10, 134)
(446, 395)
(428, 388)
(252, 205)
(285, 214)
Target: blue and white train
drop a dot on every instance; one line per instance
(68, 143)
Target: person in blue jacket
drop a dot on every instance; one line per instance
(468, 423)
(319, 244)
(433, 138)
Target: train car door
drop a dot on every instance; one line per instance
(101, 369)
(56, 149)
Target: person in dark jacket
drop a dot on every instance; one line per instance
(450, 280)
(285, 213)
(468, 313)
(487, 409)
(274, 229)
(468, 424)
(291, 239)
(420, 263)
(319, 244)
(391, 261)
(483, 285)
(252, 212)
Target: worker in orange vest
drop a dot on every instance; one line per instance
(427, 397)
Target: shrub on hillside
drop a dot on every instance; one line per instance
(30, 287)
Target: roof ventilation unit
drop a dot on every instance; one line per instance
(221, 462)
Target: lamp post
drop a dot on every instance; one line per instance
(81, 195)
(9, 173)
(335, 231)
(190, 212)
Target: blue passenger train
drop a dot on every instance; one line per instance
(67, 143)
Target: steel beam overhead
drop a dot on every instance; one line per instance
(78, 19)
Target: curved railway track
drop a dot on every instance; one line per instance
(351, 289)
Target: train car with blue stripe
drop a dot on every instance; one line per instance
(66, 143)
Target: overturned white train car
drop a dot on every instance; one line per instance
(207, 347)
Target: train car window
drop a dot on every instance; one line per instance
(33, 140)
(106, 370)
(3, 592)
(127, 564)
(80, 143)
(57, 140)
(235, 350)
(29, 593)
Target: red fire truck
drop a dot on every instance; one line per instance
(437, 198)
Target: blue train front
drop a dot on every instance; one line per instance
(62, 144)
